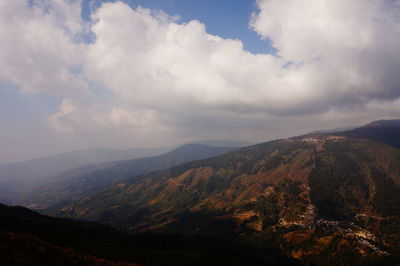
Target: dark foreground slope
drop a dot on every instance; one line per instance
(321, 198)
(27, 238)
(80, 182)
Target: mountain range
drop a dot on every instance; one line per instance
(32, 173)
(324, 198)
(26, 176)
(82, 181)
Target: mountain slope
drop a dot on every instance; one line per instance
(27, 238)
(80, 182)
(331, 196)
(333, 130)
(223, 143)
(384, 131)
(25, 175)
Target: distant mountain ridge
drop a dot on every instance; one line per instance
(20, 176)
(383, 131)
(223, 143)
(384, 123)
(333, 130)
(82, 181)
(17, 177)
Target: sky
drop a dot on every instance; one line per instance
(155, 73)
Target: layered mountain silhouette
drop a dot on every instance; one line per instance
(18, 177)
(82, 181)
(25, 176)
(324, 198)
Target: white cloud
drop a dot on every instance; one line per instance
(336, 60)
(37, 49)
(351, 47)
(160, 64)
(342, 53)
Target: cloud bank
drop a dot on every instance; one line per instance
(336, 61)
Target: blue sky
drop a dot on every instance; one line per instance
(224, 18)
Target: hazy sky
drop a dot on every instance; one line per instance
(122, 74)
